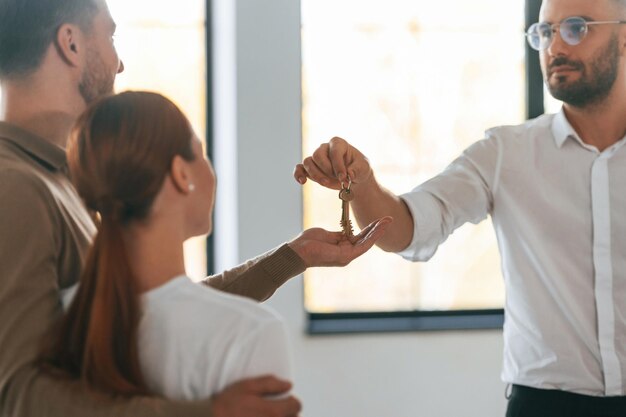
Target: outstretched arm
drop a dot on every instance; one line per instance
(259, 278)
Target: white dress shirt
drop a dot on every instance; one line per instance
(558, 208)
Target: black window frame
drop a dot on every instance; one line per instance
(209, 141)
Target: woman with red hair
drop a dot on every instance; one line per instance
(137, 324)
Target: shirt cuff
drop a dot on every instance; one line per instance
(425, 212)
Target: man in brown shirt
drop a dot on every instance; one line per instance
(56, 56)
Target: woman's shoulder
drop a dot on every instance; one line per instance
(195, 340)
(181, 297)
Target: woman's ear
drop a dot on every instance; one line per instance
(181, 175)
(69, 44)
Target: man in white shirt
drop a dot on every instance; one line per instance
(555, 188)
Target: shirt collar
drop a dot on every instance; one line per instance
(43, 151)
(562, 130)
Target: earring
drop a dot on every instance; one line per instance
(191, 187)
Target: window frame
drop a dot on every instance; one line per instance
(209, 139)
(444, 320)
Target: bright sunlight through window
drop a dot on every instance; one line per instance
(411, 83)
(163, 48)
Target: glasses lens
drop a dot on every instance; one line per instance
(573, 30)
(539, 36)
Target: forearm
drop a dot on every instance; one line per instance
(371, 202)
(259, 278)
(31, 393)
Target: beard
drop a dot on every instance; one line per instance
(95, 82)
(591, 88)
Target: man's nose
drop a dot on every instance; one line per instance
(558, 46)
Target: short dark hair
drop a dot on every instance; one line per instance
(28, 27)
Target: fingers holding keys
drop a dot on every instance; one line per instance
(332, 163)
(316, 167)
(339, 153)
(309, 169)
(348, 161)
(249, 398)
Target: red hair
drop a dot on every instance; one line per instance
(119, 154)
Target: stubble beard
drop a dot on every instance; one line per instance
(95, 82)
(592, 87)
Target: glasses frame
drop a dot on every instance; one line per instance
(532, 30)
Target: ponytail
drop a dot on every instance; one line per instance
(97, 341)
(119, 153)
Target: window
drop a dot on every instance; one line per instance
(164, 50)
(411, 83)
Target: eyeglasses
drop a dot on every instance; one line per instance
(572, 30)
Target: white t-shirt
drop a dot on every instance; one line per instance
(194, 340)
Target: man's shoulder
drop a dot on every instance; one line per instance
(531, 128)
(23, 187)
(17, 175)
(9, 151)
(512, 138)
(27, 212)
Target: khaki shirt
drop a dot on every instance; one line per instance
(45, 232)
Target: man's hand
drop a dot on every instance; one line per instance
(248, 398)
(329, 166)
(332, 163)
(318, 247)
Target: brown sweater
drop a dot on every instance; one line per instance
(45, 232)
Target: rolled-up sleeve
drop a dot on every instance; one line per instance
(462, 193)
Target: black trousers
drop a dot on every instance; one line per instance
(532, 402)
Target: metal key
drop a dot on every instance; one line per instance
(345, 195)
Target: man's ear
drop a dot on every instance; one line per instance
(181, 177)
(69, 44)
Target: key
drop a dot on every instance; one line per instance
(345, 195)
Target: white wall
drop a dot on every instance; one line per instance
(409, 374)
